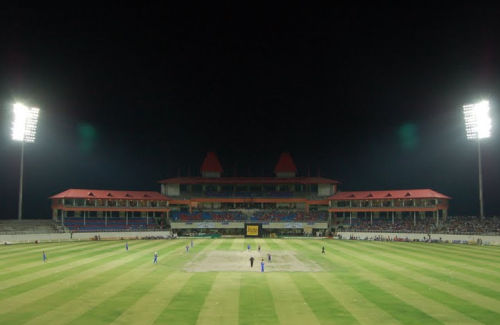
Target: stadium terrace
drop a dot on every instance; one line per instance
(284, 204)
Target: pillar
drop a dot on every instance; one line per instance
(106, 219)
(84, 219)
(414, 218)
(392, 217)
(350, 218)
(371, 218)
(126, 218)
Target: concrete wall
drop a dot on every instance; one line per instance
(173, 190)
(209, 225)
(241, 225)
(77, 236)
(295, 225)
(493, 240)
(325, 189)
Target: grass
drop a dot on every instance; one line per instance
(361, 283)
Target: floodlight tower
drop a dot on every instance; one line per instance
(24, 130)
(477, 127)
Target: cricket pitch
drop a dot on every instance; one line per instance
(227, 261)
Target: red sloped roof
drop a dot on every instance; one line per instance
(211, 163)
(389, 194)
(109, 194)
(249, 180)
(285, 164)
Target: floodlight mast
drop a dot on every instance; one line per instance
(24, 130)
(478, 126)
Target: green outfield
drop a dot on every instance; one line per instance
(354, 282)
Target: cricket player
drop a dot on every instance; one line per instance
(262, 266)
(248, 247)
(251, 261)
(259, 248)
(155, 261)
(323, 250)
(269, 257)
(44, 256)
(126, 246)
(187, 248)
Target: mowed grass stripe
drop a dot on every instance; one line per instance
(407, 308)
(114, 306)
(13, 285)
(455, 252)
(222, 302)
(361, 308)
(130, 278)
(29, 270)
(470, 250)
(352, 300)
(329, 306)
(432, 272)
(256, 303)
(444, 260)
(288, 300)
(432, 267)
(35, 250)
(185, 306)
(150, 301)
(425, 283)
(224, 244)
(237, 244)
(149, 305)
(290, 304)
(273, 244)
(71, 279)
(21, 262)
(466, 255)
(439, 297)
(326, 307)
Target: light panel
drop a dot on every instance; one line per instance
(477, 120)
(25, 123)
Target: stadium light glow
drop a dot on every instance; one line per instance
(25, 123)
(23, 130)
(478, 126)
(477, 120)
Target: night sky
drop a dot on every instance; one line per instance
(369, 96)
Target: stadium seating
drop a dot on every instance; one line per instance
(260, 216)
(452, 225)
(77, 224)
(33, 226)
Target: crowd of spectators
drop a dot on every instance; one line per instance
(220, 216)
(249, 194)
(259, 216)
(452, 225)
(78, 224)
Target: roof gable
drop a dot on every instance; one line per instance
(211, 163)
(109, 194)
(390, 194)
(285, 164)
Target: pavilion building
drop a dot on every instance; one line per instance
(283, 201)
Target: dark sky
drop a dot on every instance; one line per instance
(370, 96)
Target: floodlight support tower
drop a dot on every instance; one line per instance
(23, 130)
(478, 126)
(20, 206)
(480, 171)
